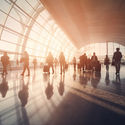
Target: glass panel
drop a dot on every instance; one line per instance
(25, 6)
(9, 37)
(7, 46)
(3, 17)
(5, 6)
(18, 15)
(14, 25)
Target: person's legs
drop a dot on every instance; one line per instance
(24, 68)
(83, 67)
(4, 69)
(107, 67)
(64, 68)
(61, 68)
(118, 67)
(74, 67)
(28, 69)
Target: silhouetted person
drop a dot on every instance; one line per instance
(49, 90)
(61, 85)
(4, 87)
(74, 63)
(80, 63)
(25, 61)
(83, 60)
(5, 62)
(23, 93)
(88, 64)
(34, 63)
(62, 62)
(49, 61)
(107, 62)
(94, 60)
(117, 60)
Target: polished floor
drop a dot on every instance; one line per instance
(72, 98)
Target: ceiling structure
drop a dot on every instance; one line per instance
(89, 21)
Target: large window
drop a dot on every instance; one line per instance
(27, 25)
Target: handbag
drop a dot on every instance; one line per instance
(113, 62)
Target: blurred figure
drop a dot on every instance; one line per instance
(25, 60)
(49, 61)
(94, 60)
(62, 62)
(74, 63)
(117, 60)
(107, 62)
(80, 63)
(83, 60)
(5, 62)
(23, 93)
(88, 64)
(55, 62)
(4, 86)
(98, 66)
(34, 63)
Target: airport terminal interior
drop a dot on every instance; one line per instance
(80, 91)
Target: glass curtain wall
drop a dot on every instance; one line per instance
(26, 25)
(100, 49)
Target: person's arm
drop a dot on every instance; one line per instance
(96, 58)
(121, 55)
(8, 60)
(113, 56)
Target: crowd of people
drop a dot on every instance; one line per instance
(84, 64)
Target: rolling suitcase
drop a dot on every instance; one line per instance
(45, 68)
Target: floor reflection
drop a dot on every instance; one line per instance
(61, 87)
(27, 100)
(74, 75)
(107, 80)
(49, 89)
(95, 79)
(23, 93)
(4, 86)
